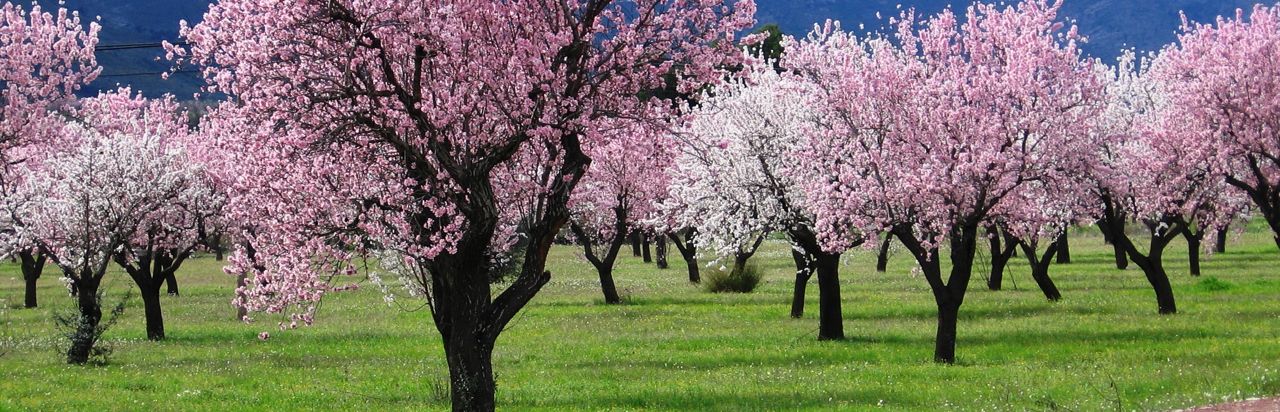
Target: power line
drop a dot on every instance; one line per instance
(135, 74)
(133, 46)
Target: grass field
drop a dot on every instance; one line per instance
(673, 346)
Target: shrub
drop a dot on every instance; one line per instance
(1213, 284)
(730, 281)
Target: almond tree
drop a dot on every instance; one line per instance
(168, 233)
(402, 127)
(85, 203)
(1155, 170)
(1220, 82)
(952, 119)
(47, 58)
(618, 195)
(735, 172)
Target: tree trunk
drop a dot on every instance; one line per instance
(803, 272)
(151, 306)
(949, 294)
(171, 280)
(644, 249)
(606, 285)
(32, 267)
(1193, 251)
(1159, 281)
(830, 314)
(1111, 229)
(472, 387)
(1001, 250)
(660, 250)
(1064, 247)
(882, 257)
(1152, 265)
(635, 243)
(30, 301)
(1040, 269)
(86, 333)
(689, 252)
(944, 345)
(1220, 246)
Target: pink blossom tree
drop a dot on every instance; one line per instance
(936, 130)
(1155, 170)
(1221, 86)
(618, 195)
(47, 57)
(401, 125)
(737, 177)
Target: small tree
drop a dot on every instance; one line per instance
(47, 58)
(1219, 81)
(935, 130)
(87, 202)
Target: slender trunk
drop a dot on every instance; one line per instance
(1064, 247)
(606, 285)
(1112, 229)
(660, 250)
(644, 249)
(635, 243)
(803, 272)
(1001, 249)
(830, 314)
(32, 267)
(30, 301)
(90, 308)
(1040, 269)
(171, 281)
(151, 305)
(1220, 246)
(882, 257)
(689, 252)
(1152, 265)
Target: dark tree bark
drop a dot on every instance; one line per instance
(150, 269)
(1109, 227)
(1150, 262)
(804, 271)
(1262, 190)
(882, 257)
(171, 283)
(32, 262)
(635, 244)
(90, 309)
(827, 267)
(689, 251)
(1220, 246)
(1064, 247)
(645, 249)
(1040, 268)
(948, 295)
(1002, 246)
(660, 252)
(604, 264)
(1194, 239)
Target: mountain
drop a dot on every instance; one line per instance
(1111, 25)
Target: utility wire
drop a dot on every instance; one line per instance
(132, 46)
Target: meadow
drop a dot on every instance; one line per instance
(673, 346)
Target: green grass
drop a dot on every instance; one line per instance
(675, 346)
